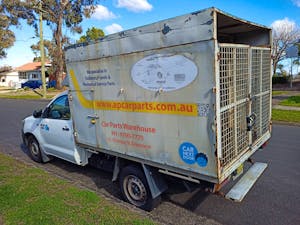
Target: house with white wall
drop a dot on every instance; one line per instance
(31, 71)
(9, 78)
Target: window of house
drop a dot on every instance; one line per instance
(22, 75)
(34, 76)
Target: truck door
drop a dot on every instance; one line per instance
(260, 92)
(84, 117)
(57, 131)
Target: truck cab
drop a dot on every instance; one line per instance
(49, 132)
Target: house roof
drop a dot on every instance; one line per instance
(32, 66)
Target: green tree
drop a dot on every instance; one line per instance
(280, 67)
(92, 34)
(5, 69)
(48, 49)
(7, 37)
(57, 14)
(10, 13)
(298, 59)
(282, 71)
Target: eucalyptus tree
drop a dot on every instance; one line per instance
(7, 37)
(59, 15)
(92, 34)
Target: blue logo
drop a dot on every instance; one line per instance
(201, 159)
(189, 154)
(44, 127)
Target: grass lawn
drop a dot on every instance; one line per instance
(29, 94)
(29, 195)
(5, 88)
(286, 115)
(291, 101)
(275, 93)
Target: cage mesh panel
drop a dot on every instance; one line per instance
(228, 135)
(234, 86)
(260, 83)
(234, 92)
(256, 110)
(266, 55)
(265, 113)
(241, 130)
(255, 75)
(226, 75)
(242, 73)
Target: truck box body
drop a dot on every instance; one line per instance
(189, 95)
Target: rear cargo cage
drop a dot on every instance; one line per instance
(244, 86)
(201, 82)
(244, 91)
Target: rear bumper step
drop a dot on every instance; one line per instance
(241, 188)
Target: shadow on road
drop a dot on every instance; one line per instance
(187, 200)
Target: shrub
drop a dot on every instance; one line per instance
(280, 79)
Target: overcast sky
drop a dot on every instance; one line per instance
(117, 15)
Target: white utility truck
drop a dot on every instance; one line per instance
(187, 97)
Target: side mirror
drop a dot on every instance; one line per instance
(45, 112)
(37, 113)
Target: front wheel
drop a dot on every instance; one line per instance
(34, 149)
(135, 189)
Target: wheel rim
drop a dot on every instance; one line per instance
(135, 190)
(34, 148)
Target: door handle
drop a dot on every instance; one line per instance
(65, 128)
(95, 117)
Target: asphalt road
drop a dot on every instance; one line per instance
(274, 199)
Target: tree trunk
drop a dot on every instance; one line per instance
(274, 68)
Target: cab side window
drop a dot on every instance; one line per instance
(59, 109)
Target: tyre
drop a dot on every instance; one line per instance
(34, 149)
(135, 189)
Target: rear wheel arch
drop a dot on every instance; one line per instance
(135, 188)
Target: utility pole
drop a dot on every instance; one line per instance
(42, 50)
(291, 77)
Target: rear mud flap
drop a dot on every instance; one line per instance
(241, 188)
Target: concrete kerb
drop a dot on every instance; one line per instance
(286, 123)
(282, 107)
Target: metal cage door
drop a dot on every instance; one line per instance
(245, 98)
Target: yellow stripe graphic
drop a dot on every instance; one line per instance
(184, 109)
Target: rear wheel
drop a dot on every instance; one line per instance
(135, 188)
(34, 149)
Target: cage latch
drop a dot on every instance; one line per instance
(251, 121)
